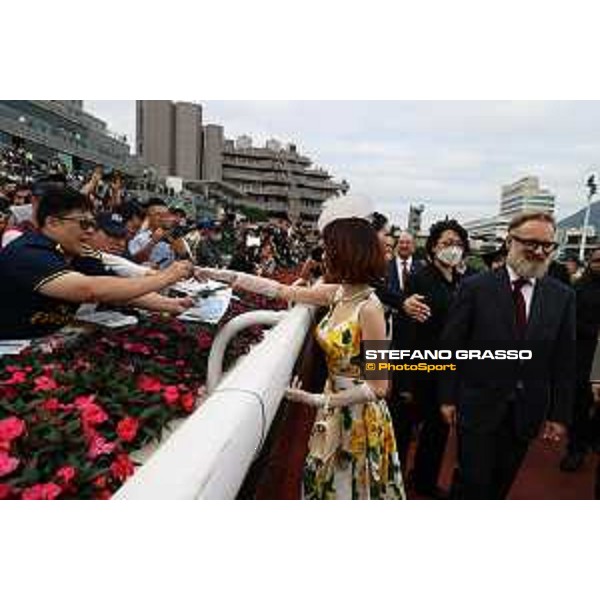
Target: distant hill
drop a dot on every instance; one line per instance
(576, 219)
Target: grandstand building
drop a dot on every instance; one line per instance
(62, 129)
(276, 179)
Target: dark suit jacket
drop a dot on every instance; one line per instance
(483, 311)
(394, 276)
(401, 321)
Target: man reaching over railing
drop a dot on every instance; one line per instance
(41, 288)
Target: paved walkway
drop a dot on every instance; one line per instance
(539, 479)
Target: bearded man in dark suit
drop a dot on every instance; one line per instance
(496, 419)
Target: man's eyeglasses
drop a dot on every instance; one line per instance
(85, 223)
(533, 245)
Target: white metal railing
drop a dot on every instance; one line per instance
(214, 370)
(209, 455)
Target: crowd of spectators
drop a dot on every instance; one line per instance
(68, 238)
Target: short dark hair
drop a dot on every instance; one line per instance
(378, 221)
(48, 183)
(131, 209)
(178, 211)
(155, 202)
(353, 252)
(438, 228)
(531, 216)
(57, 202)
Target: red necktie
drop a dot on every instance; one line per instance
(520, 306)
(404, 275)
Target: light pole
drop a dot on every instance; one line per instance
(592, 189)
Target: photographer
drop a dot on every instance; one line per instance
(208, 252)
(312, 269)
(243, 259)
(152, 243)
(133, 218)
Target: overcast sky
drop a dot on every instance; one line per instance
(451, 156)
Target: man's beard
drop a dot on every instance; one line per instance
(528, 269)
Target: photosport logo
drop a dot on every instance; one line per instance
(490, 360)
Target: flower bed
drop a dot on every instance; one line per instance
(70, 419)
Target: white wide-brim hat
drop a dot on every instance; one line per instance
(344, 207)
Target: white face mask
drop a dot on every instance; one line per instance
(451, 256)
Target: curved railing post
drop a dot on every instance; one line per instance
(229, 331)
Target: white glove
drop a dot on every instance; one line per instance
(257, 285)
(205, 273)
(358, 394)
(249, 283)
(295, 394)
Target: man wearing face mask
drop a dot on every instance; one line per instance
(437, 281)
(497, 417)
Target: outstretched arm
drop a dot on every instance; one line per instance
(75, 287)
(320, 294)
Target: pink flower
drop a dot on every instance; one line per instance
(127, 428)
(44, 384)
(5, 491)
(42, 491)
(66, 474)
(170, 394)
(122, 467)
(149, 384)
(159, 336)
(205, 340)
(99, 445)
(11, 428)
(7, 463)
(100, 482)
(188, 401)
(51, 404)
(92, 414)
(137, 348)
(16, 377)
(83, 401)
(81, 364)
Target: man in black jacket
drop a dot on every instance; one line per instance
(401, 268)
(497, 418)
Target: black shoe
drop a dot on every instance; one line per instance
(572, 462)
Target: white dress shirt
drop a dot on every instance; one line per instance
(526, 290)
(399, 264)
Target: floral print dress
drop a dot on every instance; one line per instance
(364, 464)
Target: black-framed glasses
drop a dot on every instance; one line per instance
(85, 223)
(533, 245)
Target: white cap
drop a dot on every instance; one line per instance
(344, 207)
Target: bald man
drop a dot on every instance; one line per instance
(401, 268)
